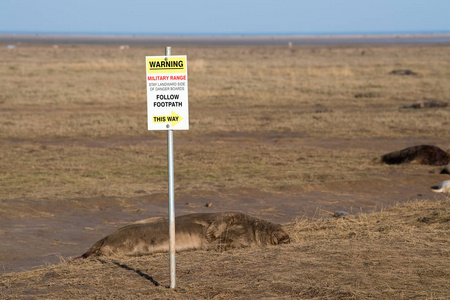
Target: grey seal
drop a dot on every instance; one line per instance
(403, 72)
(422, 154)
(206, 231)
(426, 103)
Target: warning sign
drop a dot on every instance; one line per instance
(167, 93)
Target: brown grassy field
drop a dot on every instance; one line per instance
(287, 135)
(401, 253)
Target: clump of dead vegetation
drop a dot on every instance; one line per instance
(402, 252)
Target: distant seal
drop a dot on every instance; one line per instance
(218, 231)
(422, 154)
(444, 187)
(426, 103)
(403, 72)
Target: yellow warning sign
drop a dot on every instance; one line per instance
(173, 118)
(167, 92)
(166, 64)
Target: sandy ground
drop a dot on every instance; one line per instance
(58, 230)
(287, 134)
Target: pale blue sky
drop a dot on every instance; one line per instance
(225, 17)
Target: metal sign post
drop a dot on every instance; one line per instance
(171, 201)
(167, 107)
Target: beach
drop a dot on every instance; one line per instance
(288, 129)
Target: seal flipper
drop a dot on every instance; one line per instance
(94, 250)
(215, 230)
(218, 227)
(281, 237)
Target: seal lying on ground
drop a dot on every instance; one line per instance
(423, 155)
(426, 103)
(444, 187)
(196, 231)
(403, 72)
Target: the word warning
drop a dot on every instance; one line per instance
(167, 93)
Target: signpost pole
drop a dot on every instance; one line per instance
(171, 200)
(167, 109)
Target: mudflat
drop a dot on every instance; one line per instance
(284, 133)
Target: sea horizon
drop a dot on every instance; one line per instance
(227, 38)
(224, 34)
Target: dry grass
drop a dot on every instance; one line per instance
(274, 132)
(85, 91)
(400, 253)
(270, 99)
